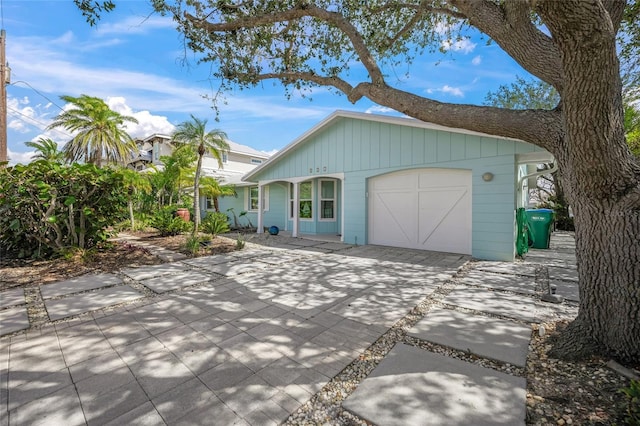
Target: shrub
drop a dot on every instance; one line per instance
(48, 208)
(166, 221)
(192, 244)
(632, 392)
(240, 242)
(215, 223)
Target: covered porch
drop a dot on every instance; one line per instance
(308, 207)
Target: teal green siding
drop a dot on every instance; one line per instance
(275, 216)
(362, 149)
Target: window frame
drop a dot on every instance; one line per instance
(300, 200)
(265, 198)
(209, 202)
(334, 199)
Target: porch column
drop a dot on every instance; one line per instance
(342, 209)
(260, 229)
(296, 208)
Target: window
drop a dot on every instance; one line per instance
(305, 203)
(327, 200)
(252, 198)
(210, 204)
(256, 161)
(225, 157)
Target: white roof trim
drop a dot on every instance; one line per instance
(400, 121)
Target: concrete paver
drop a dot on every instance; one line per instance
(412, 385)
(567, 289)
(493, 302)
(77, 285)
(520, 284)
(511, 268)
(565, 274)
(11, 297)
(143, 415)
(85, 302)
(13, 319)
(146, 272)
(498, 339)
(164, 283)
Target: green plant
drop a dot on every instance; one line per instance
(192, 244)
(215, 223)
(240, 242)
(244, 214)
(235, 218)
(632, 393)
(47, 208)
(166, 221)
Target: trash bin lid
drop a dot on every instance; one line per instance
(540, 210)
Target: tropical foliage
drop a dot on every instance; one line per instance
(100, 135)
(215, 223)
(168, 223)
(213, 142)
(210, 187)
(47, 208)
(46, 149)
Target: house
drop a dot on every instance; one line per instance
(393, 181)
(237, 161)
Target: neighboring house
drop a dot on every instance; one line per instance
(239, 160)
(397, 182)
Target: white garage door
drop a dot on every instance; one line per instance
(428, 209)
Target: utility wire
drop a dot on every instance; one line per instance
(37, 91)
(41, 126)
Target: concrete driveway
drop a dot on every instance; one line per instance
(242, 338)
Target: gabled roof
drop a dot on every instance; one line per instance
(341, 114)
(243, 149)
(233, 146)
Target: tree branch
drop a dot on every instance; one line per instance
(543, 128)
(509, 24)
(421, 6)
(301, 11)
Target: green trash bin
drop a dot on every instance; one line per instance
(540, 221)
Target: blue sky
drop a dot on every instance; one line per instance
(136, 62)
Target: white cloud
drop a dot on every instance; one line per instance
(464, 46)
(443, 28)
(378, 109)
(455, 91)
(477, 60)
(271, 153)
(136, 25)
(148, 123)
(19, 157)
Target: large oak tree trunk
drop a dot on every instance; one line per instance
(604, 184)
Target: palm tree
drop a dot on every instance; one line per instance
(194, 133)
(46, 149)
(100, 134)
(212, 188)
(179, 169)
(134, 182)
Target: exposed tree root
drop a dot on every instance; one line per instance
(574, 343)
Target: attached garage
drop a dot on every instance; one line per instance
(428, 209)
